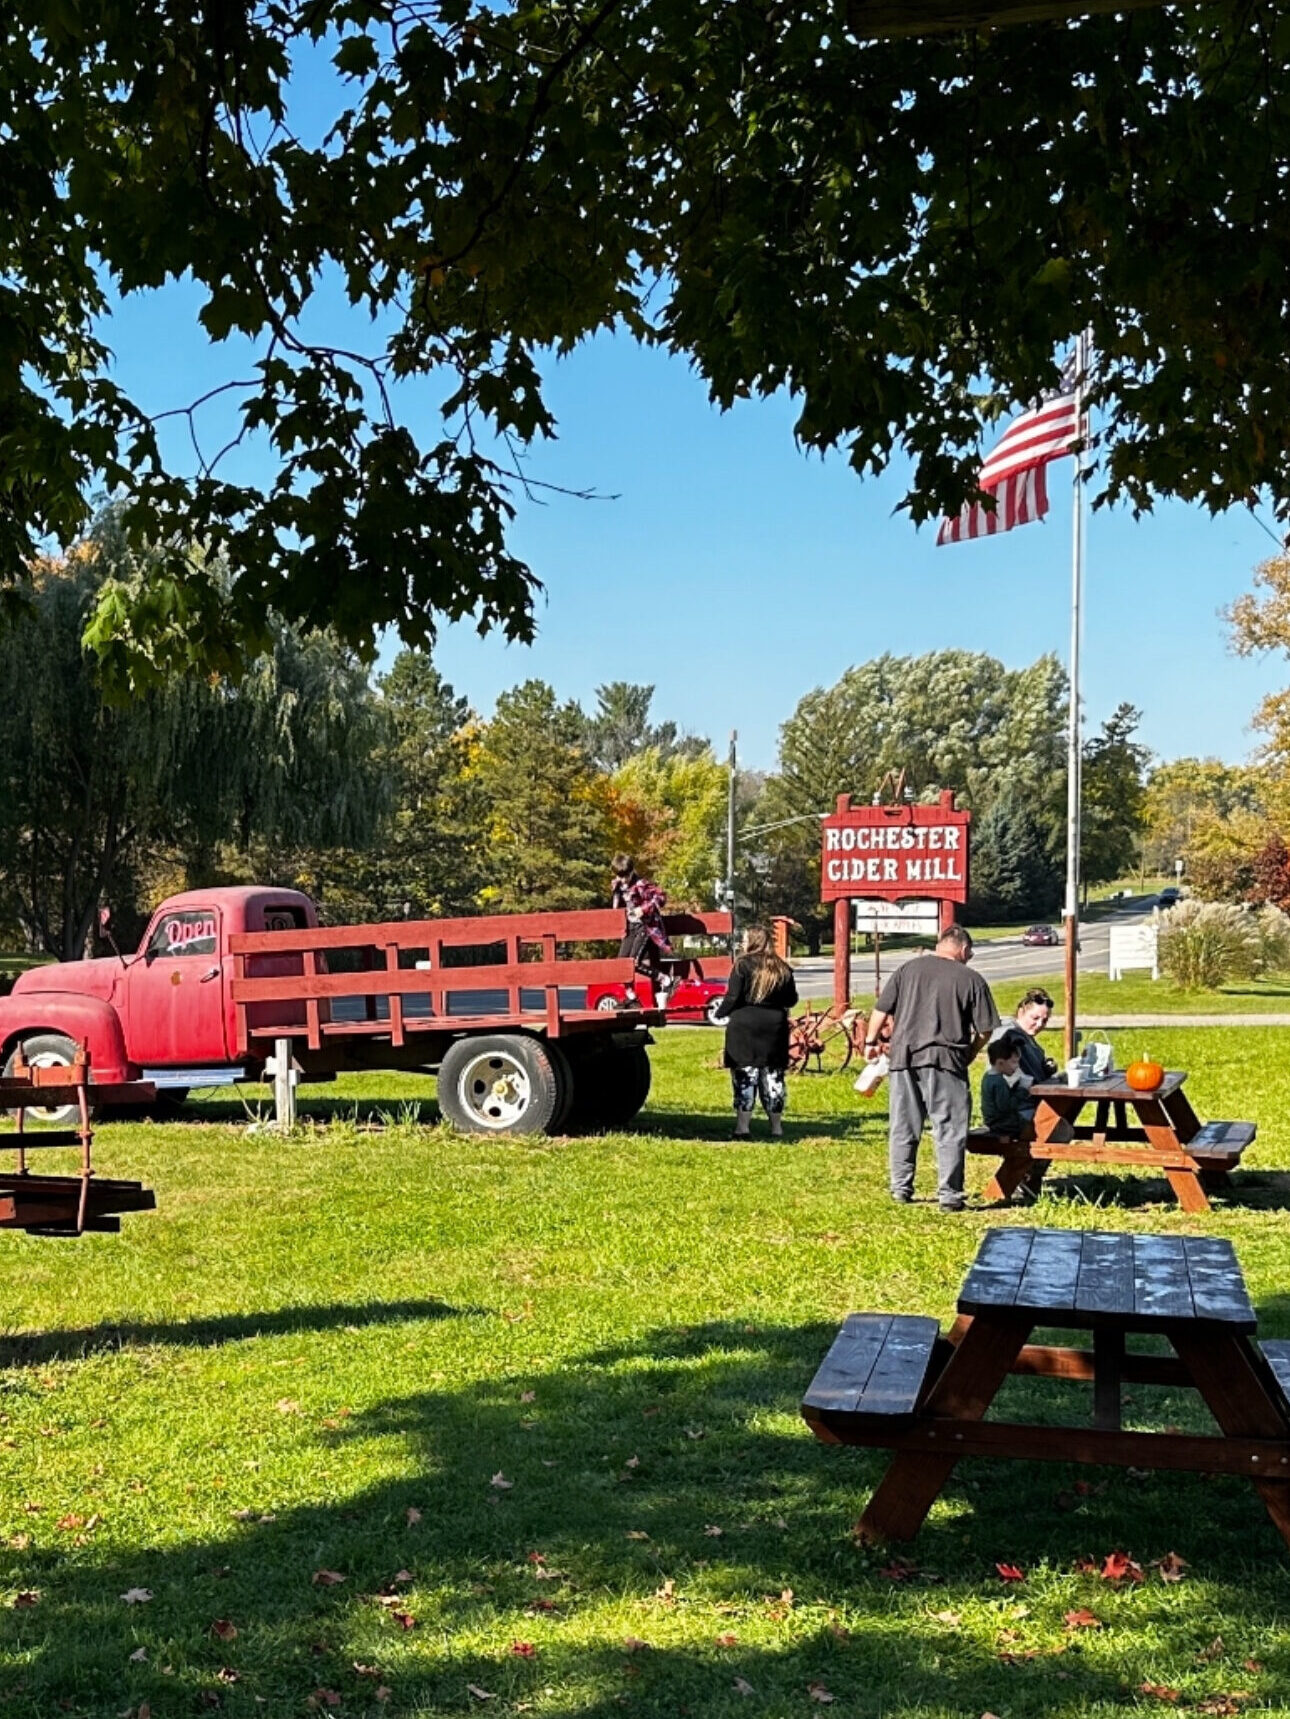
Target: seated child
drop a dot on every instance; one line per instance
(1005, 1106)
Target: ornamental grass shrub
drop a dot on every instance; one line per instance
(1207, 944)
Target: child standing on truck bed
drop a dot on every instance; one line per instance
(646, 939)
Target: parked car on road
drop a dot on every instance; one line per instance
(1039, 937)
(1169, 897)
(692, 999)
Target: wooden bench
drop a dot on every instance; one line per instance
(876, 1370)
(1218, 1148)
(1276, 1352)
(1016, 1166)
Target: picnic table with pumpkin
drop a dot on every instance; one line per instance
(1142, 1119)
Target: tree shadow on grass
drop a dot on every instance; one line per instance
(39, 1347)
(586, 1513)
(718, 1126)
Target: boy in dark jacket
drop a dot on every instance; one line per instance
(1004, 1090)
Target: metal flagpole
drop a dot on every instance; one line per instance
(730, 834)
(1074, 755)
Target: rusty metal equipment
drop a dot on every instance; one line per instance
(64, 1205)
(826, 1039)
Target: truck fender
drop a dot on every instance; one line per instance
(89, 1020)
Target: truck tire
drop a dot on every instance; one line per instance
(609, 1089)
(49, 1050)
(501, 1083)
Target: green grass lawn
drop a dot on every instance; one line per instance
(535, 1406)
(1139, 994)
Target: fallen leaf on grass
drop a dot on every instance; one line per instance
(1160, 1691)
(70, 1521)
(899, 1570)
(528, 1396)
(145, 1711)
(525, 1649)
(634, 1644)
(137, 1596)
(637, 1534)
(480, 1694)
(19, 1542)
(1119, 1567)
(226, 1674)
(632, 1462)
(413, 1515)
(728, 1639)
(500, 1481)
(818, 1692)
(1171, 1567)
(839, 1632)
(1224, 1705)
(28, 1597)
(324, 1698)
(244, 1515)
(1213, 1651)
(327, 1578)
(33, 1509)
(139, 1655)
(1010, 1572)
(403, 1577)
(405, 1620)
(1254, 1665)
(667, 1593)
(383, 1693)
(225, 1629)
(366, 1670)
(1082, 1619)
(743, 1687)
(287, 1406)
(696, 1432)
(712, 1532)
(537, 1607)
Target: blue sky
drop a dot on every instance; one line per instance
(736, 573)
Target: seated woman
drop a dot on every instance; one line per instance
(1033, 1014)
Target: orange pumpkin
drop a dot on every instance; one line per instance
(1144, 1075)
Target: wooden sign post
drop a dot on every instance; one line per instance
(890, 853)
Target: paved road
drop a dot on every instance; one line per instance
(1001, 958)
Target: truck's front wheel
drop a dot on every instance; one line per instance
(48, 1050)
(500, 1084)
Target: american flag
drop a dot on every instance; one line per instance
(1014, 471)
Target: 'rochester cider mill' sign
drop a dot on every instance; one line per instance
(895, 851)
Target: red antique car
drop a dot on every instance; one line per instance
(692, 999)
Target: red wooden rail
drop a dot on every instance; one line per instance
(277, 999)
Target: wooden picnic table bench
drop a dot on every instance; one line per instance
(893, 1382)
(1164, 1136)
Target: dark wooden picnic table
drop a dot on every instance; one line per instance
(1154, 1131)
(892, 1381)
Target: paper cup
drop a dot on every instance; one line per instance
(1075, 1072)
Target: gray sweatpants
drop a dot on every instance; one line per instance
(935, 1095)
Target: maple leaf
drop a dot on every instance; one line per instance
(633, 1644)
(1082, 1619)
(480, 1694)
(742, 1685)
(728, 1638)
(525, 1649)
(225, 1629)
(1010, 1572)
(500, 1481)
(528, 1396)
(1171, 1567)
(1160, 1691)
(405, 1620)
(413, 1515)
(327, 1578)
(818, 1692)
(137, 1596)
(28, 1597)
(1118, 1566)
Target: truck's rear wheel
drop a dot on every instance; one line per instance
(48, 1050)
(609, 1088)
(501, 1084)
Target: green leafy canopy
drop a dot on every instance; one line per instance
(871, 225)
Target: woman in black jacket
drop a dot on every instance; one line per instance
(755, 1008)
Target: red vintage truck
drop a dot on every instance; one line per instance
(495, 1006)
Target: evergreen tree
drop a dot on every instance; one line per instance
(1112, 798)
(621, 728)
(1012, 875)
(546, 810)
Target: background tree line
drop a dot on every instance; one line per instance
(385, 795)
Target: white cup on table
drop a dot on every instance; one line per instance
(1075, 1072)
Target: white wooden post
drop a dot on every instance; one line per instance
(282, 1065)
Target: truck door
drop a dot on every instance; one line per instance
(175, 1003)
